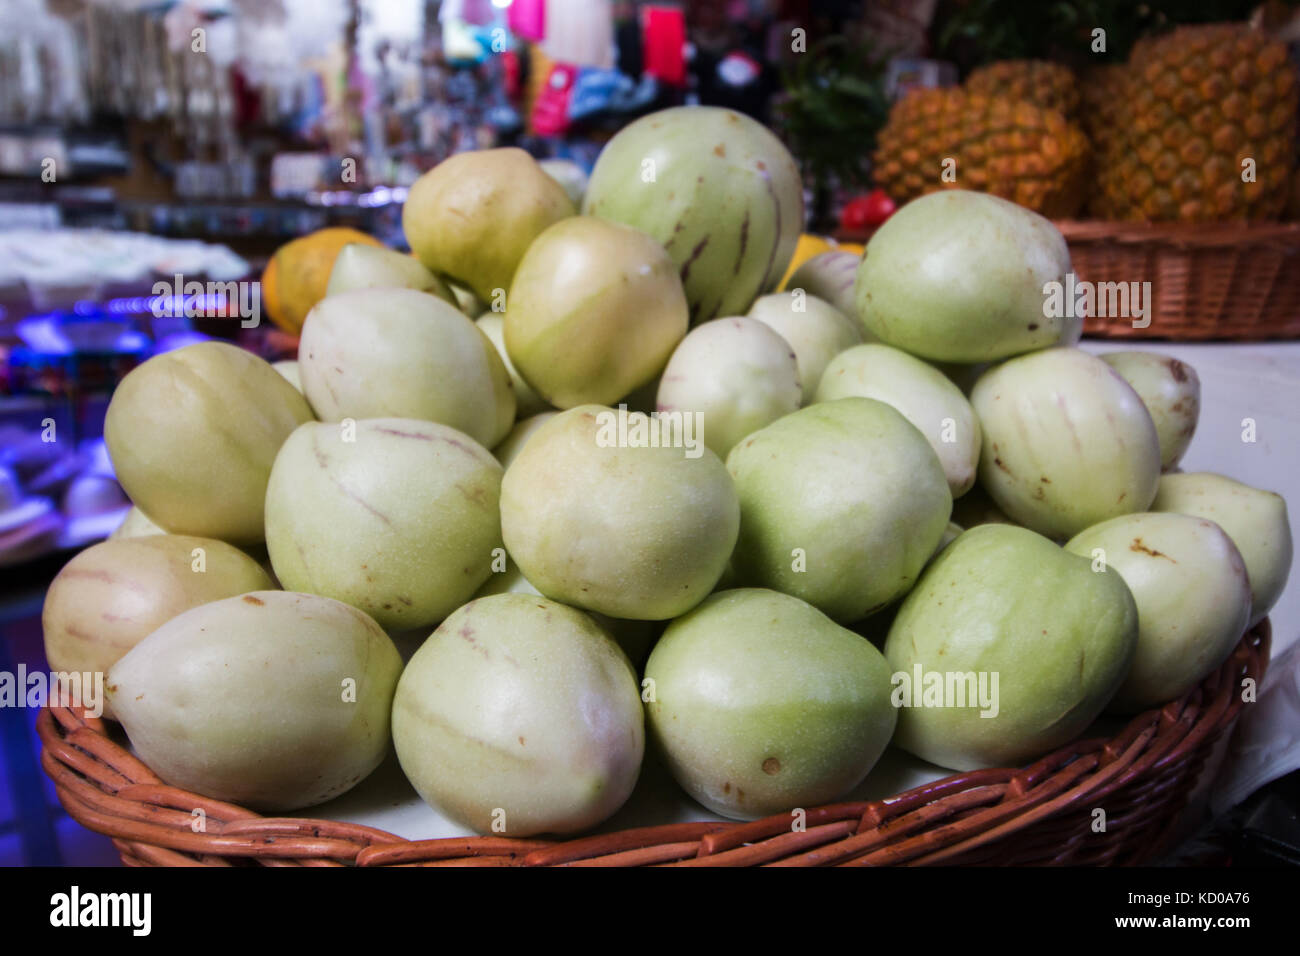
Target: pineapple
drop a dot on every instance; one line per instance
(1202, 100)
(1009, 148)
(1047, 85)
(1103, 92)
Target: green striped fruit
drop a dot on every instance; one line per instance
(1007, 647)
(111, 596)
(1255, 519)
(399, 353)
(600, 518)
(761, 704)
(269, 699)
(959, 276)
(831, 277)
(720, 192)
(736, 374)
(395, 516)
(841, 505)
(1067, 443)
(527, 401)
(1171, 391)
(595, 309)
(520, 716)
(1189, 583)
(922, 393)
(192, 434)
(472, 216)
(362, 266)
(815, 329)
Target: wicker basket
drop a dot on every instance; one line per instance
(1231, 281)
(1041, 814)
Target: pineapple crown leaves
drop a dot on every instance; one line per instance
(834, 104)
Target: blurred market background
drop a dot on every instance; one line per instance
(142, 139)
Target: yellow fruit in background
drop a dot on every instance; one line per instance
(856, 248)
(808, 246)
(297, 276)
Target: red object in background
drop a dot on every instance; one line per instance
(663, 43)
(248, 99)
(527, 19)
(551, 109)
(866, 211)
(511, 74)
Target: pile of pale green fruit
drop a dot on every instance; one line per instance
(645, 492)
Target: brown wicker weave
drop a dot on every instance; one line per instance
(1041, 814)
(1229, 281)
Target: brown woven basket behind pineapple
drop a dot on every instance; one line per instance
(1218, 281)
(1041, 814)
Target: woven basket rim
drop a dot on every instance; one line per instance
(954, 819)
(1190, 235)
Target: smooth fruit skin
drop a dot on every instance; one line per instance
(593, 313)
(136, 524)
(398, 517)
(271, 700)
(288, 370)
(632, 532)
(192, 434)
(508, 449)
(841, 505)
(520, 712)
(761, 704)
(360, 266)
(737, 374)
(571, 176)
(1171, 391)
(472, 216)
(958, 276)
(830, 276)
(716, 189)
(527, 402)
(1003, 600)
(926, 397)
(398, 353)
(1254, 519)
(634, 637)
(114, 594)
(1192, 594)
(1067, 442)
(815, 329)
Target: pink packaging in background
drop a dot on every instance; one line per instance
(527, 19)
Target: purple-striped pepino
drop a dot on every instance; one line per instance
(719, 191)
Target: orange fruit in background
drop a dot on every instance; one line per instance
(295, 278)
